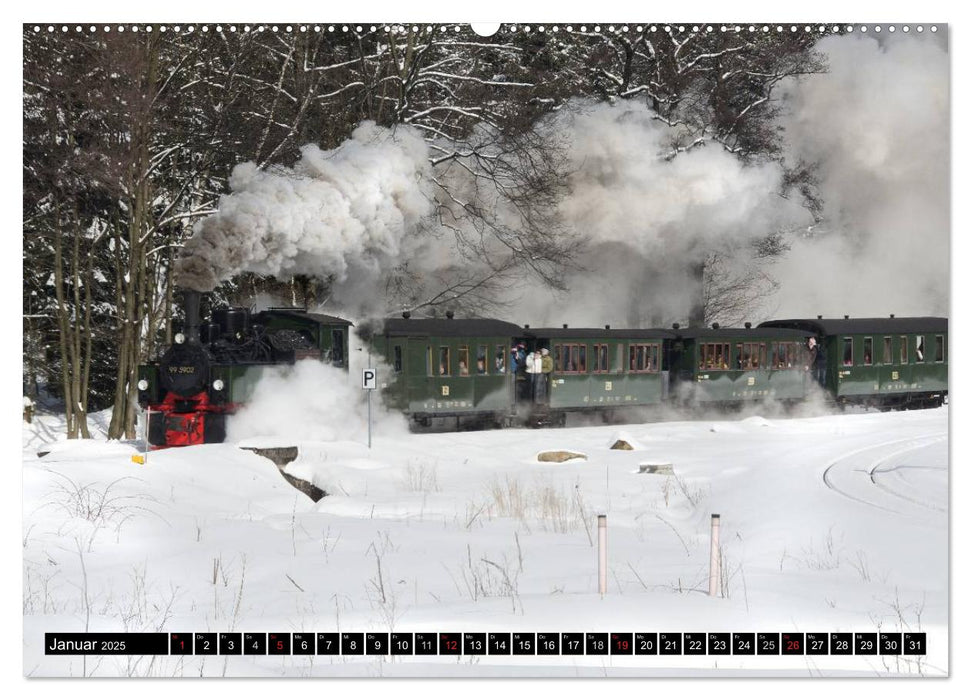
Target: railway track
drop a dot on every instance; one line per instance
(861, 476)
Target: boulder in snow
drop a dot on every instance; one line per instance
(559, 456)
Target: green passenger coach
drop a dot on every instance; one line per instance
(448, 368)
(889, 362)
(735, 365)
(598, 369)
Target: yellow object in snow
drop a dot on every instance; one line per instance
(138, 459)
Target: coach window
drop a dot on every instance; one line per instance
(751, 355)
(868, 351)
(620, 357)
(938, 348)
(397, 358)
(903, 349)
(500, 359)
(715, 355)
(429, 361)
(644, 357)
(919, 353)
(464, 360)
(601, 360)
(558, 358)
(482, 360)
(444, 361)
(887, 350)
(572, 358)
(785, 355)
(847, 352)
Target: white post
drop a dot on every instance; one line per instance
(369, 377)
(602, 551)
(714, 566)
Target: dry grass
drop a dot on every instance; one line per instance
(543, 504)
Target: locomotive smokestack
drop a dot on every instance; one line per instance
(191, 298)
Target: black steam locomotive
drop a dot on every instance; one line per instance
(212, 367)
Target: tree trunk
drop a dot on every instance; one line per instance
(77, 331)
(133, 292)
(62, 323)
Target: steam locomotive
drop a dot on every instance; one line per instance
(211, 368)
(472, 372)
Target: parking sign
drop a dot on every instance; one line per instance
(369, 378)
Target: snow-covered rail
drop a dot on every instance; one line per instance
(862, 476)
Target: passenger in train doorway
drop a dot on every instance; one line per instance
(517, 364)
(817, 361)
(546, 367)
(531, 373)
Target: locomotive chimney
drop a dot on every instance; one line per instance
(190, 299)
(449, 314)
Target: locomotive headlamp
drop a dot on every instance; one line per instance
(218, 385)
(142, 384)
(179, 338)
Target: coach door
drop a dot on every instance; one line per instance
(337, 347)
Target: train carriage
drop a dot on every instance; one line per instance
(600, 369)
(736, 365)
(881, 361)
(448, 368)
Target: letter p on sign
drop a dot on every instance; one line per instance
(369, 378)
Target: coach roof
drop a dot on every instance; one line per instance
(855, 326)
(742, 333)
(596, 333)
(450, 327)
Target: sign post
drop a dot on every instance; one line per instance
(369, 380)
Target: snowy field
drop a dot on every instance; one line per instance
(828, 523)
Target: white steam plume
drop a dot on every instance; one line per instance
(647, 218)
(349, 212)
(314, 402)
(878, 122)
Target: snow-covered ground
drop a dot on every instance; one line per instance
(828, 523)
